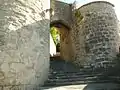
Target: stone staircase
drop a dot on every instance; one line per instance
(65, 73)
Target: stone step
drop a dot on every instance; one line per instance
(74, 68)
(72, 73)
(76, 82)
(72, 76)
(72, 79)
(61, 75)
(82, 79)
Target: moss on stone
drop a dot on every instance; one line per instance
(78, 15)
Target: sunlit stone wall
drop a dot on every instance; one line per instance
(96, 34)
(24, 47)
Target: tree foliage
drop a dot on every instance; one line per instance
(55, 35)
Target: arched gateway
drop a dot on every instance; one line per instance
(91, 32)
(89, 36)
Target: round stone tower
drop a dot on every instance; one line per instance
(97, 33)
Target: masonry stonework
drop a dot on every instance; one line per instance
(93, 32)
(24, 37)
(62, 13)
(96, 33)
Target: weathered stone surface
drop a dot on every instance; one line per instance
(24, 37)
(95, 37)
(62, 13)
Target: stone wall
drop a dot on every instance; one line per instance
(95, 36)
(62, 19)
(24, 37)
(92, 35)
(62, 12)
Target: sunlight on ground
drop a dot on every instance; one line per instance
(70, 87)
(93, 86)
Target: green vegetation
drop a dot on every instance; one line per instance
(55, 35)
(52, 3)
(78, 15)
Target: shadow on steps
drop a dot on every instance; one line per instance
(58, 64)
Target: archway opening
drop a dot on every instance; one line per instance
(61, 38)
(55, 42)
(61, 61)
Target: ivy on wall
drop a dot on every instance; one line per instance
(52, 3)
(78, 15)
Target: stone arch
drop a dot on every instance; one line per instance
(59, 22)
(65, 39)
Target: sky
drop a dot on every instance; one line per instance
(115, 2)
